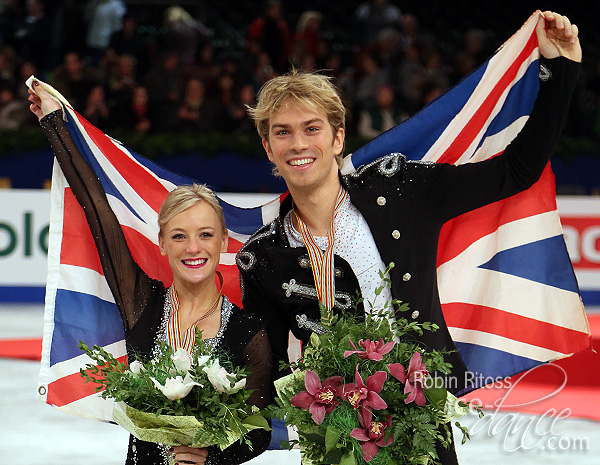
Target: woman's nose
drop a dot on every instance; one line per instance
(193, 245)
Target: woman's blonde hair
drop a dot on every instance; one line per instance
(184, 197)
(307, 89)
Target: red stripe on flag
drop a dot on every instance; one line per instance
(461, 232)
(147, 255)
(146, 185)
(465, 138)
(233, 245)
(70, 388)
(515, 327)
(231, 283)
(77, 247)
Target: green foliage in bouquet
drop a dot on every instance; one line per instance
(177, 398)
(376, 403)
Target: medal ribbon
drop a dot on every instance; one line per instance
(322, 261)
(173, 335)
(174, 338)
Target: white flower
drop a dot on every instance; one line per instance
(176, 388)
(182, 360)
(219, 378)
(136, 367)
(203, 359)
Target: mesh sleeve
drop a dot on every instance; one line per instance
(129, 285)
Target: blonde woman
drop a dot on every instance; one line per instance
(192, 234)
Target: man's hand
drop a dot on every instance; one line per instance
(41, 101)
(558, 37)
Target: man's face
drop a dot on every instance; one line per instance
(303, 147)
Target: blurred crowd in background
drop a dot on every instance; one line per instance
(163, 66)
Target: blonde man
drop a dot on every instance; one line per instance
(388, 211)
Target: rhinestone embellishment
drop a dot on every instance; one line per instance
(342, 299)
(311, 325)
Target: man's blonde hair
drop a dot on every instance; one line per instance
(184, 197)
(305, 89)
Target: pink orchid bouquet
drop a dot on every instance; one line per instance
(366, 392)
(177, 398)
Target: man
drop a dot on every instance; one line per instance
(390, 210)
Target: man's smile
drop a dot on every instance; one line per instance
(301, 161)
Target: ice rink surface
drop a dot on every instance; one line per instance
(33, 433)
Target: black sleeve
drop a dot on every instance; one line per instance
(456, 189)
(257, 300)
(129, 285)
(257, 356)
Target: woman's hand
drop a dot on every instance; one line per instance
(41, 101)
(184, 454)
(558, 37)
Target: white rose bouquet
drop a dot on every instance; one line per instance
(177, 398)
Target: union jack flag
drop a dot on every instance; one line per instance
(516, 304)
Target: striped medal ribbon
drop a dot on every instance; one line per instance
(322, 261)
(174, 338)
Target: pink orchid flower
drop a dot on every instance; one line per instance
(372, 434)
(359, 394)
(372, 350)
(319, 397)
(414, 380)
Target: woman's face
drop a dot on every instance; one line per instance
(193, 241)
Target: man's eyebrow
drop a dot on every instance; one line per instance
(304, 123)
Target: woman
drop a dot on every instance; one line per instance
(192, 235)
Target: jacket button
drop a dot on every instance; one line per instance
(304, 261)
(406, 277)
(396, 234)
(381, 201)
(415, 314)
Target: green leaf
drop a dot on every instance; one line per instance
(332, 436)
(348, 458)
(312, 437)
(437, 396)
(257, 420)
(334, 456)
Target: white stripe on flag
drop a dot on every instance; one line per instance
(270, 210)
(456, 277)
(496, 143)
(133, 198)
(85, 281)
(496, 68)
(73, 365)
(57, 199)
(241, 238)
(168, 185)
(148, 229)
(504, 344)
(227, 258)
(467, 155)
(93, 406)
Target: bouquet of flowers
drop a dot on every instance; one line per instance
(364, 391)
(177, 398)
